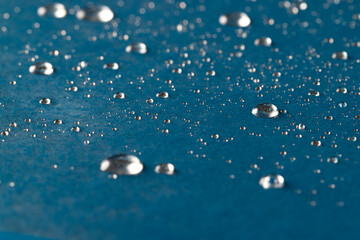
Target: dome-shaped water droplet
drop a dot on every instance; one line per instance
(162, 95)
(138, 47)
(342, 55)
(41, 68)
(119, 95)
(112, 66)
(99, 13)
(122, 164)
(235, 19)
(272, 181)
(56, 10)
(45, 101)
(265, 110)
(165, 168)
(263, 41)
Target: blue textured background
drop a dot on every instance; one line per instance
(201, 201)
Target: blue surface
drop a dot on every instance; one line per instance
(208, 198)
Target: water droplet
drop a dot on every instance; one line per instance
(316, 143)
(334, 160)
(75, 129)
(45, 101)
(162, 95)
(58, 121)
(300, 126)
(119, 95)
(340, 55)
(265, 110)
(165, 168)
(263, 41)
(41, 68)
(122, 164)
(138, 47)
(56, 10)
(99, 13)
(272, 181)
(112, 66)
(235, 19)
(342, 90)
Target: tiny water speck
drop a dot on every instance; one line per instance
(122, 164)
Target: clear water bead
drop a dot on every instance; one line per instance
(272, 181)
(122, 164)
(165, 168)
(45, 101)
(342, 55)
(119, 95)
(56, 10)
(42, 68)
(263, 41)
(265, 110)
(235, 19)
(138, 47)
(98, 13)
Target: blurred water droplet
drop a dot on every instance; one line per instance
(263, 41)
(165, 168)
(138, 47)
(122, 164)
(235, 19)
(333, 160)
(41, 68)
(56, 10)
(98, 13)
(265, 110)
(272, 181)
(342, 55)
(112, 66)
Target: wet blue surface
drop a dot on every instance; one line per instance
(208, 198)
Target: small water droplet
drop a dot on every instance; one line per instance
(119, 95)
(334, 160)
(58, 121)
(138, 47)
(45, 101)
(122, 164)
(112, 66)
(263, 41)
(162, 95)
(99, 13)
(41, 68)
(235, 19)
(342, 55)
(265, 110)
(272, 181)
(56, 10)
(165, 168)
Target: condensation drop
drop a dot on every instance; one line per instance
(41, 68)
(342, 55)
(265, 110)
(122, 164)
(235, 19)
(162, 95)
(119, 95)
(165, 168)
(56, 10)
(272, 181)
(138, 47)
(45, 101)
(263, 41)
(99, 13)
(112, 66)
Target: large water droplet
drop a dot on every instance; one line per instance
(265, 110)
(235, 19)
(122, 164)
(45, 101)
(165, 168)
(272, 181)
(41, 68)
(56, 10)
(99, 13)
(138, 47)
(162, 95)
